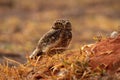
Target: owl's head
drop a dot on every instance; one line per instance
(62, 24)
(59, 24)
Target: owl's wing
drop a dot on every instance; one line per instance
(50, 39)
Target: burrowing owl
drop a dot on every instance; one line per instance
(54, 41)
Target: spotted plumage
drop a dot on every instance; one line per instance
(54, 41)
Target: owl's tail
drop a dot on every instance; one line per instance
(35, 53)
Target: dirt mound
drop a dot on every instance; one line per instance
(107, 54)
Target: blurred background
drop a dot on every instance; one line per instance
(23, 22)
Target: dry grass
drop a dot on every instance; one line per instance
(71, 65)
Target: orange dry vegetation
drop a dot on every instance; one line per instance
(68, 65)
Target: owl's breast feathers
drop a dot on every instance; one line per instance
(66, 38)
